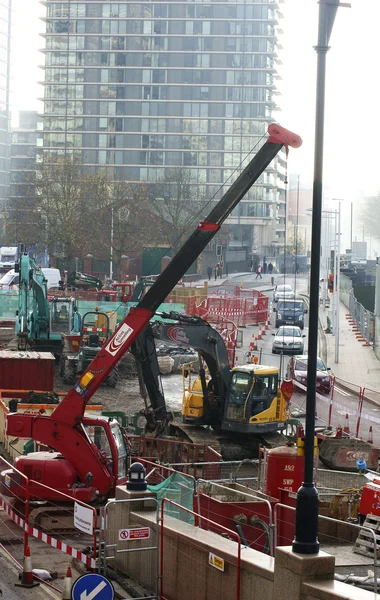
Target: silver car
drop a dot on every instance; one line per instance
(282, 292)
(288, 339)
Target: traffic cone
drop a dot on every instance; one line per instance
(346, 427)
(27, 579)
(67, 585)
(259, 336)
(370, 435)
(267, 324)
(252, 345)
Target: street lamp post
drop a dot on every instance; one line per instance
(337, 288)
(306, 533)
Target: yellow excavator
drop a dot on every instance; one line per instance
(255, 403)
(245, 401)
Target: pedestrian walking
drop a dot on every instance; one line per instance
(209, 272)
(270, 268)
(265, 268)
(258, 273)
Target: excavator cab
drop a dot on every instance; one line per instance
(64, 317)
(254, 402)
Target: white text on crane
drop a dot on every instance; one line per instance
(121, 336)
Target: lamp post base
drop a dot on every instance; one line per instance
(306, 538)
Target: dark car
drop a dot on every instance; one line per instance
(297, 370)
(290, 312)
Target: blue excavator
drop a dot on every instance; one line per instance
(40, 323)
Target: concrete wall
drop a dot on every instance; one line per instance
(188, 575)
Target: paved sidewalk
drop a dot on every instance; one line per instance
(357, 364)
(234, 279)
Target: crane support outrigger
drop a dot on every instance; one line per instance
(81, 468)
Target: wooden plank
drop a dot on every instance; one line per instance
(367, 534)
(365, 543)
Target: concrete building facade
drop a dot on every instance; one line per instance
(5, 42)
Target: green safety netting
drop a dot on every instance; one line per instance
(179, 489)
(9, 306)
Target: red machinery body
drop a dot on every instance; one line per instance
(63, 430)
(77, 450)
(284, 470)
(370, 499)
(48, 468)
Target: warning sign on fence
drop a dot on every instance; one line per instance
(138, 533)
(83, 518)
(216, 561)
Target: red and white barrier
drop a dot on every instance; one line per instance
(48, 539)
(65, 548)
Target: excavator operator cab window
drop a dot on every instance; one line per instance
(263, 392)
(99, 437)
(121, 449)
(241, 384)
(59, 317)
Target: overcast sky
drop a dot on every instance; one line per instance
(352, 127)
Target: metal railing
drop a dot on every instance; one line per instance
(364, 319)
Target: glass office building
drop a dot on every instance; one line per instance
(5, 34)
(145, 88)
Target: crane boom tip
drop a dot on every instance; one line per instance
(280, 135)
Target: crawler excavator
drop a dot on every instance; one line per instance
(87, 456)
(244, 406)
(40, 323)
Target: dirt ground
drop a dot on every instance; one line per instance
(126, 396)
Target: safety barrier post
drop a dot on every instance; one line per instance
(331, 402)
(229, 532)
(360, 408)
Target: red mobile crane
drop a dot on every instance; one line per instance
(80, 464)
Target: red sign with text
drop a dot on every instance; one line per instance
(138, 533)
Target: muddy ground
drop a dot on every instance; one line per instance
(126, 396)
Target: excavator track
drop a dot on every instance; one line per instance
(53, 519)
(231, 447)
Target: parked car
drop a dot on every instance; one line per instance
(290, 312)
(283, 291)
(297, 370)
(288, 339)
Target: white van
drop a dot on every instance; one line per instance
(53, 277)
(10, 280)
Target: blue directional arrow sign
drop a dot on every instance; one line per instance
(92, 587)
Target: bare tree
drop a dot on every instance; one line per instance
(177, 200)
(125, 210)
(66, 197)
(369, 216)
(74, 209)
